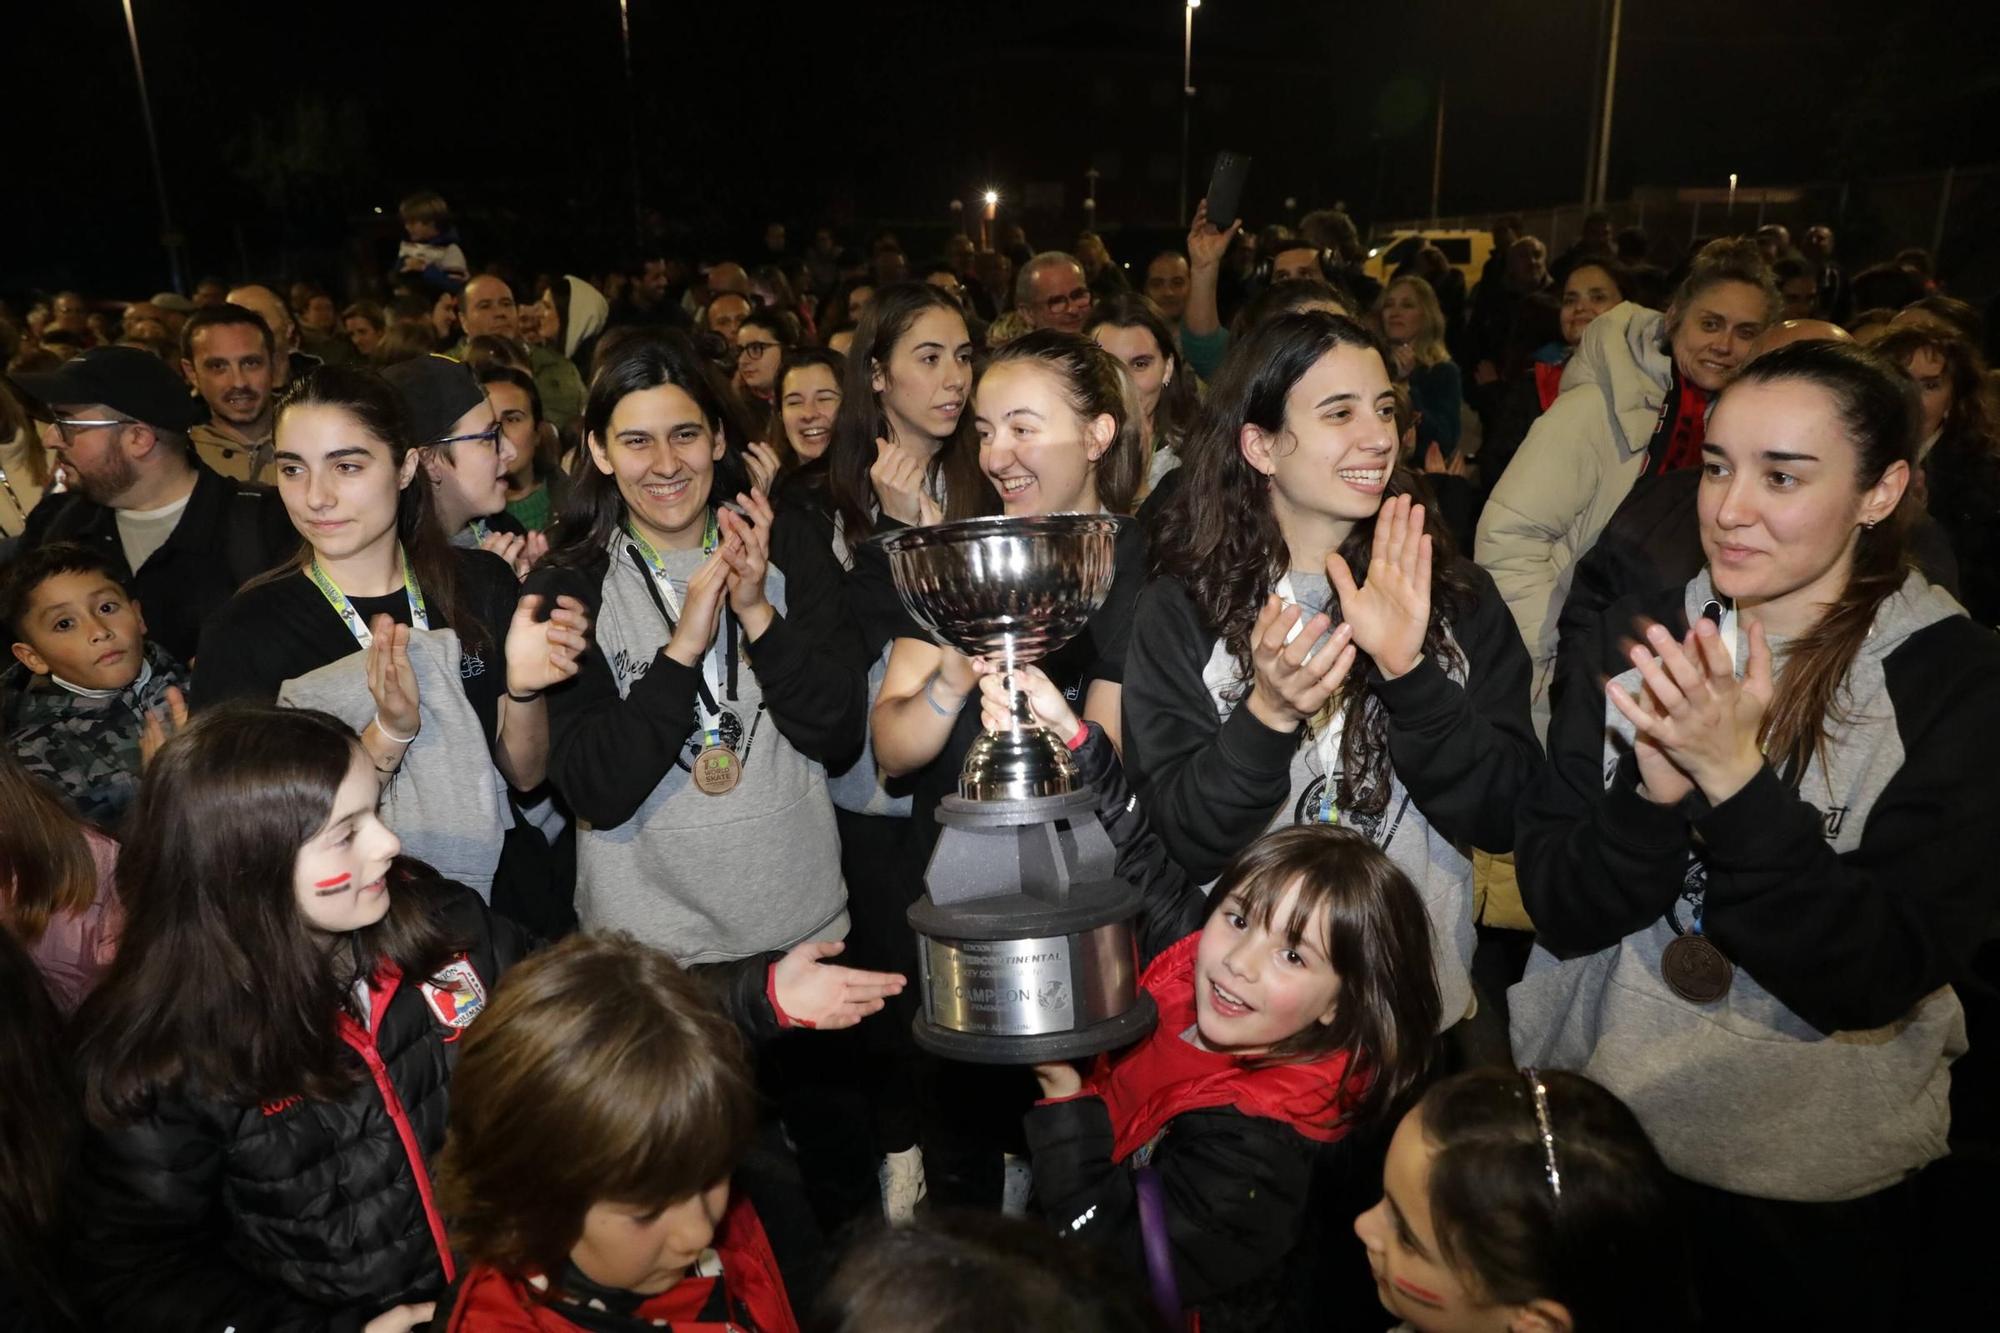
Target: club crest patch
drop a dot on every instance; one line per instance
(456, 995)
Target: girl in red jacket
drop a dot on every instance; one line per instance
(1297, 1004)
(597, 1116)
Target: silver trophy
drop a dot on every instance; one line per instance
(1025, 932)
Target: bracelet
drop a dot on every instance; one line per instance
(931, 699)
(391, 771)
(527, 698)
(1082, 734)
(389, 735)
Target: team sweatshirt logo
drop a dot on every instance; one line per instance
(456, 995)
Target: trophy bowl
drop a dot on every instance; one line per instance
(1012, 590)
(1026, 946)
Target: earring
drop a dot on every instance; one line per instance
(1868, 524)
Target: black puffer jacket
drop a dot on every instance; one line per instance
(297, 1215)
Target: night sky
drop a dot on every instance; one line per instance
(283, 125)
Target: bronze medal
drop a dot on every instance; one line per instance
(1696, 970)
(717, 770)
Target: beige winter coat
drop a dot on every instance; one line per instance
(1580, 459)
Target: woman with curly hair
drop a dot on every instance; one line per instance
(1312, 649)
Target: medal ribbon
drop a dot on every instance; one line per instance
(419, 615)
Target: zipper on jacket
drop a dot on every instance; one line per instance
(363, 1041)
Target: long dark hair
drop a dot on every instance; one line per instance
(861, 421)
(1094, 384)
(1378, 939)
(220, 987)
(1173, 415)
(799, 358)
(1609, 1249)
(39, 1123)
(363, 394)
(1219, 534)
(1877, 406)
(594, 509)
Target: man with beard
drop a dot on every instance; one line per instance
(184, 536)
(227, 354)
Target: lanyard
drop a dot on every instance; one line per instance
(656, 569)
(419, 617)
(661, 586)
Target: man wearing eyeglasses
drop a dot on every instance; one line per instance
(117, 418)
(488, 306)
(1052, 292)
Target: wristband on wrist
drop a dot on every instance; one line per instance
(527, 698)
(382, 730)
(1082, 734)
(930, 697)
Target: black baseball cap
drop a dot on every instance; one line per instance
(129, 380)
(436, 391)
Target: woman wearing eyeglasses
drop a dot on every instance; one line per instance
(761, 343)
(429, 651)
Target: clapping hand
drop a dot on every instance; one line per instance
(391, 679)
(159, 730)
(701, 612)
(762, 461)
(1695, 713)
(814, 994)
(1290, 681)
(541, 653)
(746, 550)
(520, 551)
(1391, 612)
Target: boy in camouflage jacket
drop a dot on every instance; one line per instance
(76, 703)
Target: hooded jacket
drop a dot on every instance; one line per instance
(708, 878)
(1847, 903)
(1460, 751)
(1580, 458)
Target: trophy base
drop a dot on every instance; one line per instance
(990, 1049)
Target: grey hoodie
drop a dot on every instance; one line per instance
(448, 803)
(710, 878)
(1743, 1093)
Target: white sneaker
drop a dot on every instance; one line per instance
(1017, 1180)
(901, 1176)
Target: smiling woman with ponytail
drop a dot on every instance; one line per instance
(1759, 862)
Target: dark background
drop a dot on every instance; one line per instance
(283, 126)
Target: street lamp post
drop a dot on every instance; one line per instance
(1598, 179)
(1187, 101)
(632, 125)
(168, 237)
